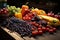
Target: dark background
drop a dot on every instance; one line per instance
(41, 4)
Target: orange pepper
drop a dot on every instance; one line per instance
(24, 7)
(39, 12)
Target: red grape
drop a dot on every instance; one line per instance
(49, 14)
(5, 12)
(59, 17)
(56, 16)
(52, 14)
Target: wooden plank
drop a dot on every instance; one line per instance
(13, 34)
(43, 37)
(16, 35)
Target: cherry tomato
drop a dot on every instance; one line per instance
(29, 18)
(54, 29)
(33, 29)
(48, 26)
(51, 27)
(26, 15)
(40, 32)
(47, 29)
(43, 29)
(51, 31)
(34, 32)
(39, 29)
(23, 18)
(30, 15)
(36, 24)
(40, 26)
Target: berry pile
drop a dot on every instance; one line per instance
(19, 26)
(39, 29)
(4, 13)
(54, 15)
(28, 22)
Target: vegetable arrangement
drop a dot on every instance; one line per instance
(29, 22)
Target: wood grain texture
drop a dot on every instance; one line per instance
(45, 36)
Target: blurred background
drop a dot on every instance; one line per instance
(47, 5)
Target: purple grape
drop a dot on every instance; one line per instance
(19, 26)
(43, 22)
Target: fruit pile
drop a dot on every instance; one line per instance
(4, 13)
(29, 22)
(54, 15)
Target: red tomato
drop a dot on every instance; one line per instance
(36, 24)
(40, 26)
(47, 29)
(44, 29)
(29, 18)
(40, 32)
(26, 15)
(24, 18)
(51, 27)
(51, 31)
(39, 29)
(33, 29)
(48, 26)
(54, 29)
(30, 14)
(34, 32)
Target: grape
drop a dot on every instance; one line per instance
(35, 18)
(49, 14)
(56, 16)
(19, 26)
(42, 22)
(59, 17)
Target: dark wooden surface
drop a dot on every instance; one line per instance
(4, 35)
(45, 36)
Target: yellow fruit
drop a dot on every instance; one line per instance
(50, 20)
(42, 12)
(18, 15)
(39, 12)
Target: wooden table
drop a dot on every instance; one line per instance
(45, 36)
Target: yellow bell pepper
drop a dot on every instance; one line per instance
(18, 15)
